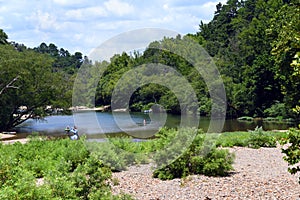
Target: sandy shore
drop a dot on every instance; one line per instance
(259, 174)
(10, 139)
(23, 141)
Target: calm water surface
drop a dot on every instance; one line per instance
(100, 124)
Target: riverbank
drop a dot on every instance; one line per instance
(258, 174)
(6, 136)
(11, 138)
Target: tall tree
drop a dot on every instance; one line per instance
(284, 30)
(238, 39)
(30, 85)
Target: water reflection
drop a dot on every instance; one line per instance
(97, 124)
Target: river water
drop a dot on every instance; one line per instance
(99, 124)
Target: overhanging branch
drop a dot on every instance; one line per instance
(10, 85)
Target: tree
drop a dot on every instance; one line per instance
(8, 85)
(118, 65)
(286, 49)
(63, 60)
(238, 39)
(291, 149)
(285, 30)
(53, 51)
(27, 85)
(3, 37)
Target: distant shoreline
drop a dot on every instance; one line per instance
(84, 108)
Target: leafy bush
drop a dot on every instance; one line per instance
(276, 110)
(259, 138)
(65, 169)
(201, 157)
(118, 153)
(291, 149)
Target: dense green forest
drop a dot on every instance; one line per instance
(254, 44)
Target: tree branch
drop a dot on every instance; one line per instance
(10, 85)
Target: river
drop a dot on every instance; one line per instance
(100, 124)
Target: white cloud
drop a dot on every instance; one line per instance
(69, 2)
(210, 7)
(166, 6)
(3, 9)
(119, 8)
(82, 25)
(86, 13)
(44, 21)
(193, 8)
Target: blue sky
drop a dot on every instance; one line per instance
(81, 25)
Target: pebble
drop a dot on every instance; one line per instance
(259, 174)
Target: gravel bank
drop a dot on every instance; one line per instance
(259, 174)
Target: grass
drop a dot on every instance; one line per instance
(256, 138)
(230, 139)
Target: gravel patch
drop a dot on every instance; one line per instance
(259, 174)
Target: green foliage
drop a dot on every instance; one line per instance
(291, 149)
(176, 159)
(34, 78)
(241, 39)
(65, 169)
(201, 157)
(55, 169)
(276, 110)
(285, 29)
(118, 153)
(3, 37)
(27, 80)
(148, 79)
(231, 139)
(63, 60)
(254, 139)
(259, 138)
(254, 43)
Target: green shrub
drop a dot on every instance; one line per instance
(276, 110)
(218, 163)
(201, 157)
(114, 154)
(291, 149)
(259, 138)
(66, 168)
